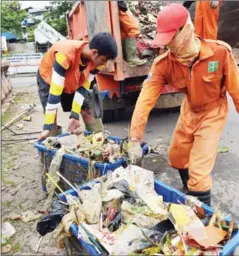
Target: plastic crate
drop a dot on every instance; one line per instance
(75, 168)
(169, 195)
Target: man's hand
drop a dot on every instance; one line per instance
(74, 126)
(135, 152)
(44, 134)
(214, 4)
(52, 133)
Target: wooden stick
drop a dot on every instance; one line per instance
(39, 243)
(17, 118)
(68, 182)
(54, 182)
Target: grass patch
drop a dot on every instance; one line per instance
(23, 98)
(9, 182)
(16, 247)
(8, 166)
(10, 160)
(6, 203)
(5, 117)
(18, 98)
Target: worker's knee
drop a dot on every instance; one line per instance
(199, 182)
(177, 158)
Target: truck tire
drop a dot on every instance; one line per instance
(108, 116)
(95, 101)
(119, 114)
(113, 115)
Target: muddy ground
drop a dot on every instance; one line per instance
(21, 172)
(21, 180)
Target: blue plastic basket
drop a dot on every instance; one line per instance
(169, 195)
(75, 168)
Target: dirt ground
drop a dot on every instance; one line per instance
(21, 180)
(21, 173)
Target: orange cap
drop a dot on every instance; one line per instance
(169, 20)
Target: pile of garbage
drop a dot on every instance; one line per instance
(121, 214)
(146, 14)
(97, 147)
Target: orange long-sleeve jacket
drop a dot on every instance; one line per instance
(72, 50)
(206, 19)
(205, 83)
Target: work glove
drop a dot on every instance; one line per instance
(122, 6)
(187, 4)
(214, 4)
(135, 153)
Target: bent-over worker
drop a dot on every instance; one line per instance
(203, 69)
(65, 75)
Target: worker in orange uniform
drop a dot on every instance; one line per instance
(203, 69)
(65, 76)
(129, 32)
(206, 18)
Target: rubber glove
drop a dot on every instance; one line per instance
(214, 4)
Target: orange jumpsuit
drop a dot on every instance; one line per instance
(206, 20)
(203, 112)
(129, 27)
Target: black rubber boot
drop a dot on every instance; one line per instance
(203, 196)
(184, 177)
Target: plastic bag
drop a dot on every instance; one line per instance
(154, 202)
(54, 168)
(49, 223)
(130, 238)
(142, 216)
(92, 203)
(123, 186)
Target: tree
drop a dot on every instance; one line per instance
(12, 16)
(56, 17)
(30, 30)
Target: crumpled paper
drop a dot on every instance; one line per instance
(7, 232)
(26, 216)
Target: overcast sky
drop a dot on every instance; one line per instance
(34, 4)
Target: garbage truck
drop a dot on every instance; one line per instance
(119, 85)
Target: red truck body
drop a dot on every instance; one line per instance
(119, 84)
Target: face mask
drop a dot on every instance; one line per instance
(185, 45)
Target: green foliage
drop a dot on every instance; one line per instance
(30, 30)
(56, 15)
(12, 16)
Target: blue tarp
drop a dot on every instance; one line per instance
(9, 35)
